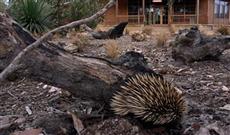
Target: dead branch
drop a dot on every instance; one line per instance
(14, 65)
(83, 76)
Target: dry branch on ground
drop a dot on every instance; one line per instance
(14, 65)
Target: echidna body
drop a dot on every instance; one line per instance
(150, 98)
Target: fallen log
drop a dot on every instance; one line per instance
(191, 45)
(85, 77)
(14, 65)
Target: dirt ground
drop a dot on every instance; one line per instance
(206, 86)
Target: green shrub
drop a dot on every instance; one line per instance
(223, 30)
(59, 13)
(34, 15)
(80, 9)
(2, 6)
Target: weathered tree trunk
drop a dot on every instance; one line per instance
(86, 77)
(83, 76)
(190, 46)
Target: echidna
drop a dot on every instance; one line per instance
(149, 98)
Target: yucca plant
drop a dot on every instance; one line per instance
(34, 15)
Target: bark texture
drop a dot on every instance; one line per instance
(86, 77)
(14, 65)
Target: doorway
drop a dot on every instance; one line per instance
(156, 13)
(135, 12)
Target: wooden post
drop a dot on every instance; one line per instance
(184, 17)
(138, 16)
(228, 13)
(214, 15)
(218, 19)
(197, 11)
(170, 12)
(143, 6)
(161, 15)
(138, 12)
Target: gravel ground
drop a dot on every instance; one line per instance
(206, 86)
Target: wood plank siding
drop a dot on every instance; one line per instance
(148, 12)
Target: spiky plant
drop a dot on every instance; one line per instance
(34, 15)
(149, 98)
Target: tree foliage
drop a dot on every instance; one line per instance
(2, 5)
(84, 8)
(58, 10)
(34, 15)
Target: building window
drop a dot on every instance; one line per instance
(221, 9)
(184, 12)
(184, 7)
(134, 7)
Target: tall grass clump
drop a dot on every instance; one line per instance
(161, 39)
(223, 30)
(147, 31)
(112, 49)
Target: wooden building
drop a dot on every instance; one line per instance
(164, 12)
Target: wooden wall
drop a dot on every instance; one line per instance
(122, 11)
(112, 18)
(204, 7)
(218, 21)
(206, 13)
(207, 16)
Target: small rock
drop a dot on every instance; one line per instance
(224, 88)
(135, 129)
(28, 110)
(210, 76)
(71, 47)
(138, 37)
(138, 50)
(219, 83)
(226, 107)
(45, 86)
(54, 89)
(89, 110)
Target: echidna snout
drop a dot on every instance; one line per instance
(150, 99)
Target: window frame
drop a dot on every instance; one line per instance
(221, 9)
